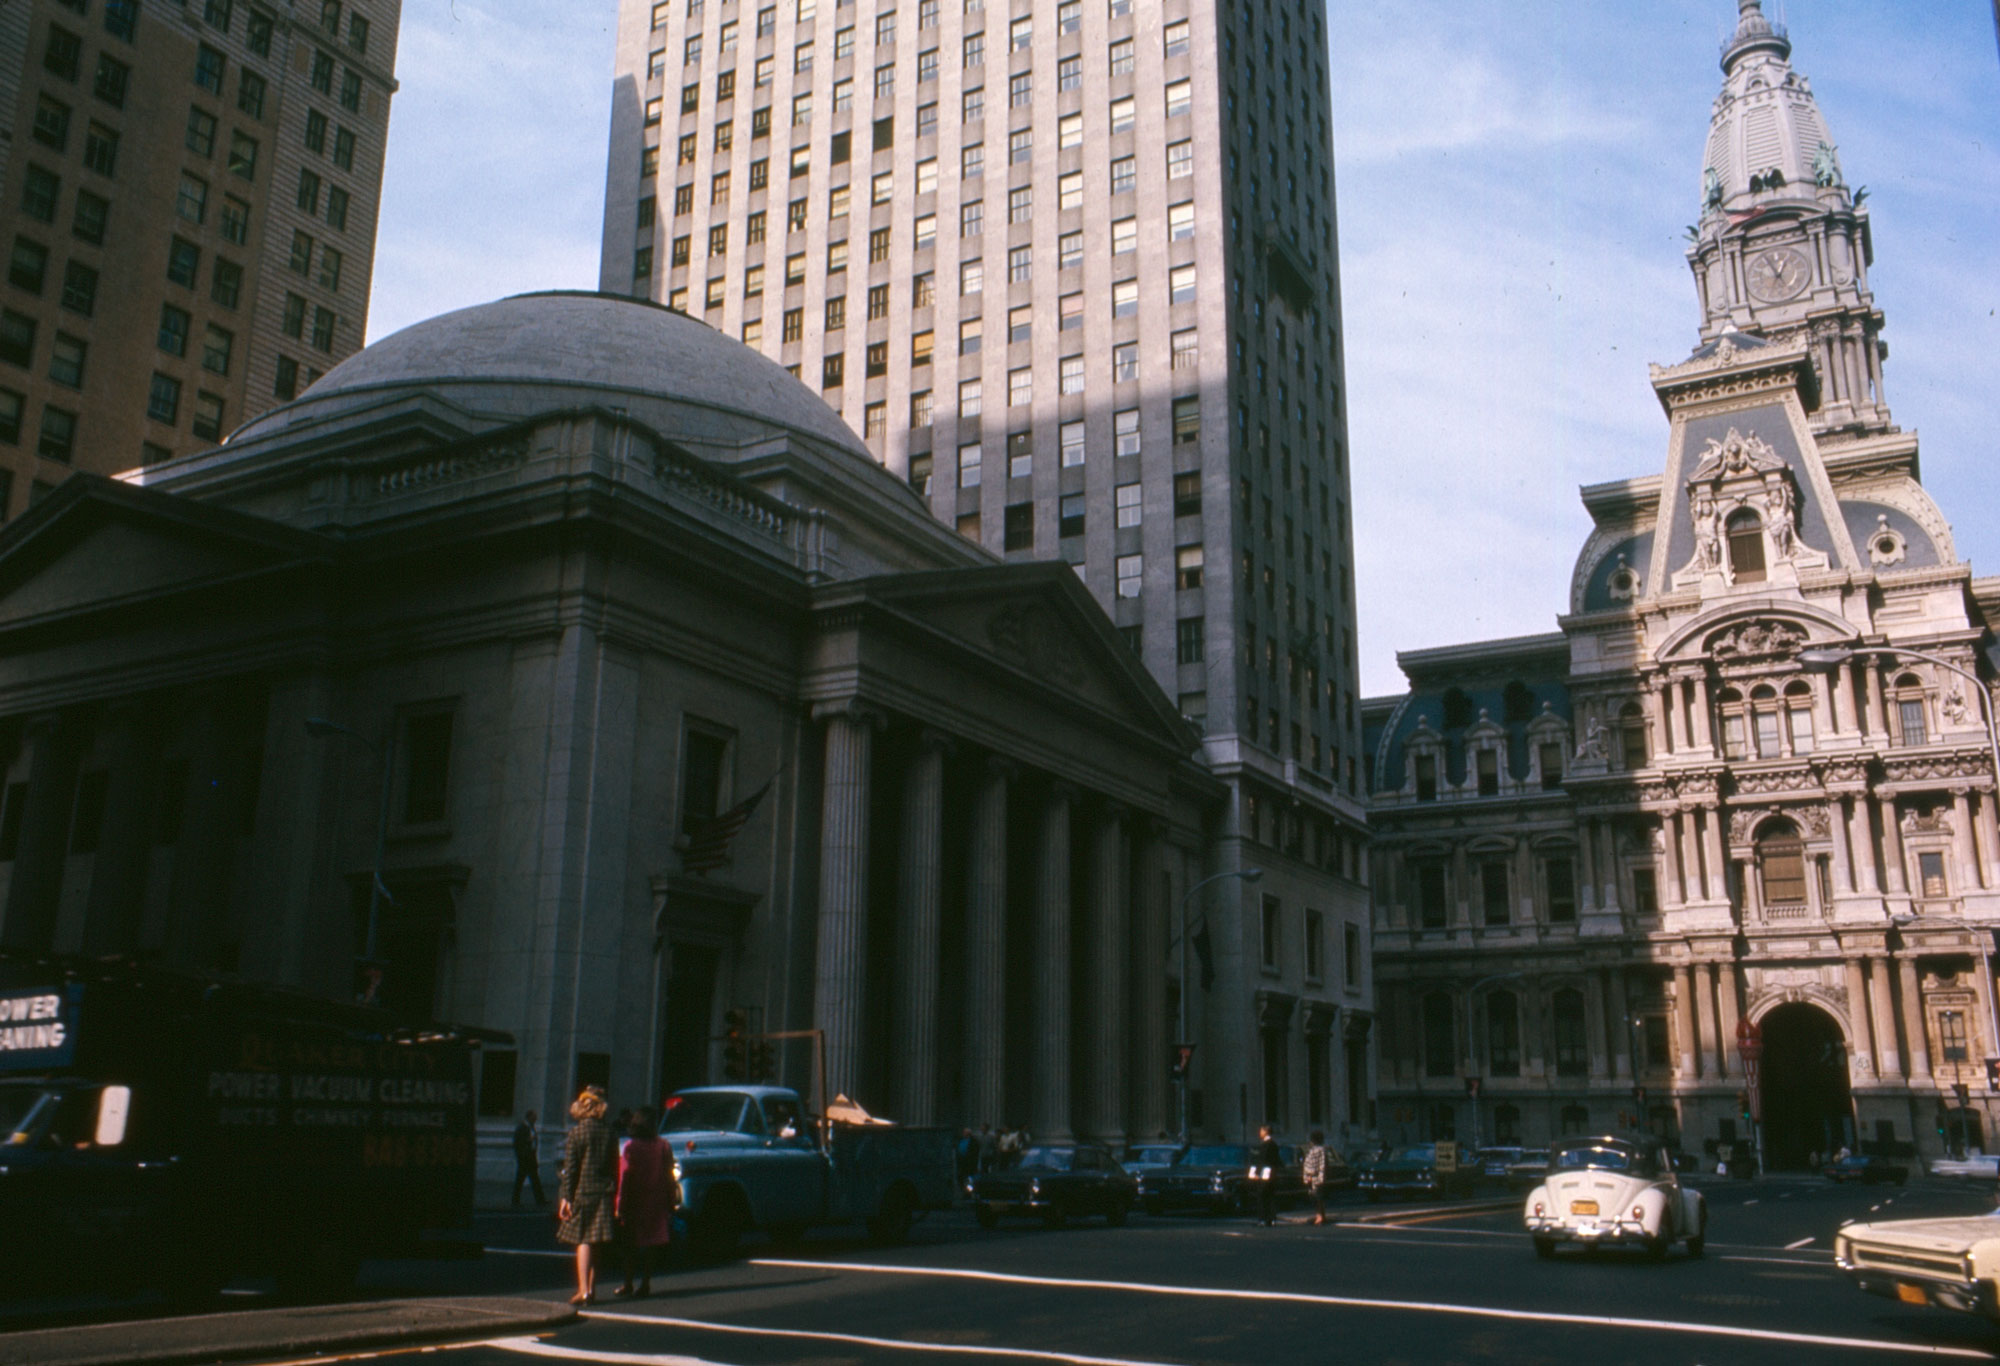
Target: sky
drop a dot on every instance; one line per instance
(1514, 179)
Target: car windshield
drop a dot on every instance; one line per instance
(1157, 1155)
(1605, 1155)
(1536, 1155)
(703, 1110)
(1423, 1152)
(1049, 1159)
(18, 1112)
(1230, 1156)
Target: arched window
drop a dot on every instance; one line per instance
(1799, 715)
(1745, 533)
(1440, 1042)
(1781, 862)
(1503, 1034)
(1632, 736)
(1572, 1048)
(1735, 724)
(1764, 722)
(1507, 1125)
(1911, 717)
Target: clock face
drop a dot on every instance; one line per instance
(1779, 274)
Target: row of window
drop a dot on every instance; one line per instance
(1272, 936)
(1495, 899)
(55, 439)
(1501, 1012)
(1069, 13)
(1120, 53)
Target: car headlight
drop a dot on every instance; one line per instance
(1034, 1188)
(1216, 1182)
(1426, 1175)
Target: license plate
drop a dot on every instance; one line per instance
(1583, 1207)
(1911, 1294)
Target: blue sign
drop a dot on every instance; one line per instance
(38, 1028)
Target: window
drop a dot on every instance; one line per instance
(121, 19)
(66, 356)
(885, 81)
(836, 313)
(250, 93)
(427, 767)
(1632, 736)
(1069, 74)
(1180, 159)
(350, 90)
(1745, 535)
(173, 334)
(79, 292)
(968, 456)
(1070, 375)
(1069, 256)
(243, 156)
(1124, 175)
(1130, 571)
(235, 220)
(1190, 635)
(1180, 98)
(112, 79)
(920, 409)
(1781, 863)
(833, 372)
(968, 401)
(308, 197)
(1908, 696)
(1185, 349)
(1020, 264)
(163, 399)
(1124, 362)
(1020, 455)
(58, 435)
(1180, 222)
(1187, 563)
(1503, 1034)
(1126, 499)
(1645, 892)
(725, 37)
(1069, 130)
(1020, 89)
(1020, 146)
(927, 120)
(1020, 324)
(972, 105)
(51, 123)
(322, 73)
(836, 257)
(1488, 765)
(39, 189)
(1951, 1036)
(1571, 1046)
(1176, 38)
(1018, 527)
(1551, 758)
(357, 33)
(226, 283)
(1125, 299)
(208, 66)
(1440, 1043)
(1493, 892)
(969, 336)
(295, 317)
(793, 325)
(100, 149)
(1560, 876)
(17, 338)
(1020, 387)
(874, 421)
(1020, 35)
(1071, 508)
(1121, 57)
(216, 349)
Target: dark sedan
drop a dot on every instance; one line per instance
(1215, 1178)
(1867, 1169)
(1054, 1181)
(1413, 1171)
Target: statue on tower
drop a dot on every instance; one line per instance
(1826, 171)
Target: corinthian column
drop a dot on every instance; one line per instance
(1105, 1056)
(986, 950)
(1684, 1007)
(1889, 1059)
(843, 889)
(1961, 840)
(1892, 847)
(1858, 1037)
(1051, 969)
(1148, 1050)
(1913, 1021)
(917, 915)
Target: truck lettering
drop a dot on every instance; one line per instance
(410, 1091)
(21, 1037)
(242, 1086)
(333, 1088)
(21, 1008)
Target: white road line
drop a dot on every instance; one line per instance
(1777, 1261)
(857, 1340)
(1407, 1306)
(1794, 1247)
(535, 1348)
(1521, 1235)
(529, 1252)
(1748, 1203)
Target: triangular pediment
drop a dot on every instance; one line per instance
(97, 543)
(1037, 623)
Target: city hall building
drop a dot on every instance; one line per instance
(1747, 786)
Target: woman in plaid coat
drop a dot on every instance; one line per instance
(585, 1203)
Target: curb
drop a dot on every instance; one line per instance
(298, 1331)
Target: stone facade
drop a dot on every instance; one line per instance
(190, 200)
(1071, 271)
(1750, 780)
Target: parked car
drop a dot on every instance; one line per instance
(1215, 1178)
(1054, 1181)
(1413, 1171)
(1529, 1169)
(1867, 1169)
(1492, 1163)
(1950, 1263)
(1141, 1158)
(1619, 1190)
(1986, 1165)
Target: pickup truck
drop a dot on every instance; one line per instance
(747, 1157)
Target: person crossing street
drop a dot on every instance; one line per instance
(1265, 1159)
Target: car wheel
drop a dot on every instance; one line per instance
(1545, 1248)
(1656, 1248)
(1115, 1216)
(987, 1217)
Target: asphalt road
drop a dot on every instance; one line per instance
(1441, 1286)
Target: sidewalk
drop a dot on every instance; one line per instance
(294, 1332)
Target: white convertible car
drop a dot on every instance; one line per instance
(1951, 1263)
(1617, 1190)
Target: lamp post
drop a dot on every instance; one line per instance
(369, 989)
(1828, 657)
(1186, 1059)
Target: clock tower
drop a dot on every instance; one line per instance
(1783, 249)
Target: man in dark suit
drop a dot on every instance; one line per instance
(528, 1158)
(1265, 1159)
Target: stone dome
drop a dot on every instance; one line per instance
(533, 353)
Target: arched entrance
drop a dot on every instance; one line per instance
(1803, 1076)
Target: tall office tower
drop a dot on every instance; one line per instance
(190, 198)
(1069, 268)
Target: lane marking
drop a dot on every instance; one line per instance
(536, 1348)
(1794, 1247)
(1440, 1233)
(852, 1339)
(1748, 1203)
(1777, 1261)
(1359, 1302)
(529, 1252)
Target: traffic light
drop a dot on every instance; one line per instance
(735, 1045)
(1963, 1092)
(1181, 1055)
(1993, 1074)
(763, 1060)
(1743, 1104)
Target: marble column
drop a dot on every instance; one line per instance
(919, 899)
(1961, 841)
(117, 899)
(1110, 940)
(1889, 1057)
(842, 974)
(1913, 1020)
(1862, 828)
(1892, 846)
(1675, 704)
(1711, 843)
(1705, 1026)
(1596, 1028)
(1670, 871)
(1588, 895)
(1839, 694)
(986, 949)
(1684, 1020)
(1692, 879)
(1878, 718)
(1983, 972)
(1618, 1024)
(1704, 714)
(1731, 1014)
(34, 894)
(1843, 865)
(1051, 960)
(1607, 864)
(1151, 1033)
(1859, 1041)
(1983, 842)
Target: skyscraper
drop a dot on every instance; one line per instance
(1070, 270)
(190, 201)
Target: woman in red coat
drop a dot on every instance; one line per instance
(646, 1199)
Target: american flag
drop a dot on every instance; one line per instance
(708, 843)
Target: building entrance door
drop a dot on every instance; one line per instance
(686, 1016)
(1807, 1108)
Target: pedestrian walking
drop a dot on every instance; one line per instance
(646, 1199)
(528, 1159)
(588, 1191)
(1314, 1173)
(1265, 1159)
(989, 1149)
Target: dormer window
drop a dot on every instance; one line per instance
(1427, 777)
(1745, 533)
(1632, 736)
(1489, 773)
(1910, 715)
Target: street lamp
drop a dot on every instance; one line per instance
(369, 990)
(1187, 1059)
(1828, 657)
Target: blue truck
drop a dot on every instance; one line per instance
(750, 1158)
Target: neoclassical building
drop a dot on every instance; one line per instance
(533, 592)
(1748, 780)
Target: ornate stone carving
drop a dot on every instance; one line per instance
(1591, 746)
(1886, 545)
(1954, 708)
(1037, 638)
(1625, 582)
(1937, 822)
(1756, 640)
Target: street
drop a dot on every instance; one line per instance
(1426, 1285)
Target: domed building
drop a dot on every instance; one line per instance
(1722, 849)
(667, 708)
